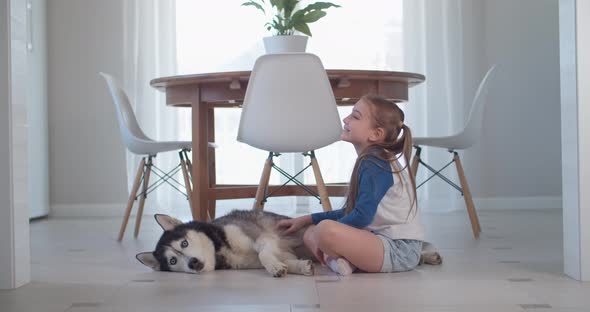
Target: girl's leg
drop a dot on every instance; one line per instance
(362, 248)
(312, 245)
(339, 264)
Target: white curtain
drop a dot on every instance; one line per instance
(150, 52)
(434, 46)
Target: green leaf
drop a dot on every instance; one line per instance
(254, 4)
(285, 17)
(279, 4)
(279, 25)
(297, 18)
(320, 6)
(303, 28)
(290, 6)
(313, 16)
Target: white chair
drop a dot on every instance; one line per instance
(289, 107)
(470, 135)
(138, 143)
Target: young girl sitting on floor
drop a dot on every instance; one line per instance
(379, 228)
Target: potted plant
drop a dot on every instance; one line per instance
(285, 19)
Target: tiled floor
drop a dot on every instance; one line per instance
(77, 266)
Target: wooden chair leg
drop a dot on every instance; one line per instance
(320, 184)
(258, 203)
(467, 196)
(187, 182)
(189, 165)
(211, 210)
(131, 198)
(146, 181)
(415, 163)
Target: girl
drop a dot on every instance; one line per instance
(378, 229)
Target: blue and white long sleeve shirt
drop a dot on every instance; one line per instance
(384, 204)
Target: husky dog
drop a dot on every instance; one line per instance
(245, 239)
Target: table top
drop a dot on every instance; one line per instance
(228, 88)
(411, 78)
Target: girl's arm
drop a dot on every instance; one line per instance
(373, 184)
(329, 215)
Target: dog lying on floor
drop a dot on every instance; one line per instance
(239, 240)
(242, 239)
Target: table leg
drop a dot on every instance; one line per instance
(211, 157)
(200, 171)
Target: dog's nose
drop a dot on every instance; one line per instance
(195, 264)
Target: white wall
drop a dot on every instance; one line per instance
(37, 114)
(583, 207)
(519, 166)
(575, 98)
(87, 158)
(6, 228)
(15, 268)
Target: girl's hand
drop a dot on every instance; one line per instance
(292, 225)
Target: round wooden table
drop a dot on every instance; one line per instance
(204, 92)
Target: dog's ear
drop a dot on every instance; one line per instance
(167, 222)
(148, 259)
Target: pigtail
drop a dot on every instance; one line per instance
(407, 152)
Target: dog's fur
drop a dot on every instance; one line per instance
(245, 239)
(240, 240)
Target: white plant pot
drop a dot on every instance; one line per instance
(282, 44)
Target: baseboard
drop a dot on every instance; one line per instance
(94, 210)
(442, 205)
(521, 203)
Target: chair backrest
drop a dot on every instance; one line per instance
(131, 133)
(473, 127)
(289, 105)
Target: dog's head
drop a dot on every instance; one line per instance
(183, 247)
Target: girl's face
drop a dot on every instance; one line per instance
(359, 127)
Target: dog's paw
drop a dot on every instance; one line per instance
(277, 269)
(431, 257)
(306, 267)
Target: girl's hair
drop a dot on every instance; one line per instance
(398, 142)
